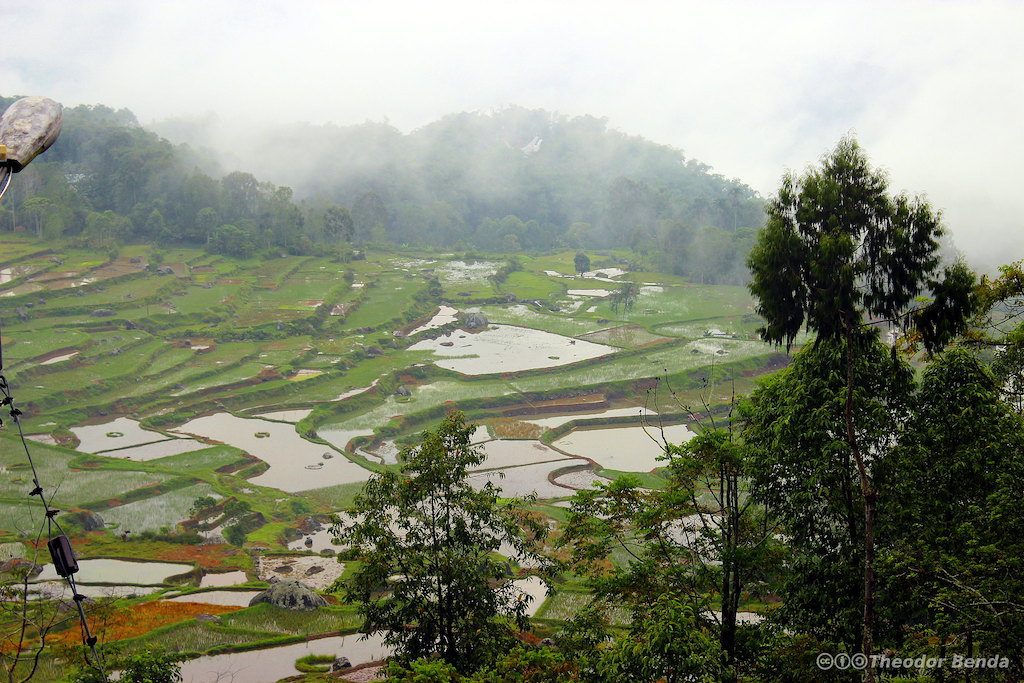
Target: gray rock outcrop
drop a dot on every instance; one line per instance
(290, 595)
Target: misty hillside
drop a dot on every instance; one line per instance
(508, 180)
(484, 178)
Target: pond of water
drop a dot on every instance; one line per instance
(59, 359)
(507, 348)
(120, 571)
(222, 579)
(292, 416)
(159, 449)
(225, 598)
(295, 464)
(444, 316)
(627, 449)
(527, 479)
(264, 666)
(118, 433)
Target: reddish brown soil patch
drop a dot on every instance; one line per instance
(139, 620)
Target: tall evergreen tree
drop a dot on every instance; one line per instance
(837, 253)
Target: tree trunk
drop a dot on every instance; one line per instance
(870, 497)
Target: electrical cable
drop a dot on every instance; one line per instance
(5, 179)
(7, 400)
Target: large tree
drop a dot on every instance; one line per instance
(837, 253)
(429, 579)
(802, 469)
(582, 262)
(953, 534)
(698, 541)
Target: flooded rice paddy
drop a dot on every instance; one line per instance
(507, 348)
(120, 572)
(59, 359)
(527, 479)
(339, 438)
(219, 579)
(580, 479)
(118, 433)
(292, 416)
(626, 449)
(260, 666)
(223, 598)
(444, 316)
(559, 420)
(312, 570)
(295, 464)
(511, 453)
(533, 590)
(157, 449)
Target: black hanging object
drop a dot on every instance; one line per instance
(62, 555)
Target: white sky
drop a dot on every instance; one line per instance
(933, 90)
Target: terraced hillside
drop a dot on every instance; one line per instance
(213, 411)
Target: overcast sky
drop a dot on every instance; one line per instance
(933, 90)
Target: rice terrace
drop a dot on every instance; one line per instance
(171, 393)
(451, 342)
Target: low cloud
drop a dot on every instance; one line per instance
(934, 91)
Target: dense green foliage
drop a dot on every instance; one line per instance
(838, 253)
(141, 667)
(426, 538)
(837, 249)
(954, 532)
(802, 469)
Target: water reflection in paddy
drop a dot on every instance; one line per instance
(158, 449)
(118, 433)
(222, 598)
(509, 453)
(120, 571)
(626, 449)
(559, 420)
(507, 348)
(295, 464)
(222, 579)
(263, 666)
(527, 479)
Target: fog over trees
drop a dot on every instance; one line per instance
(502, 181)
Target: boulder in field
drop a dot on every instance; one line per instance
(476, 321)
(87, 520)
(290, 595)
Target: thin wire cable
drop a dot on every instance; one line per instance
(5, 179)
(7, 399)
